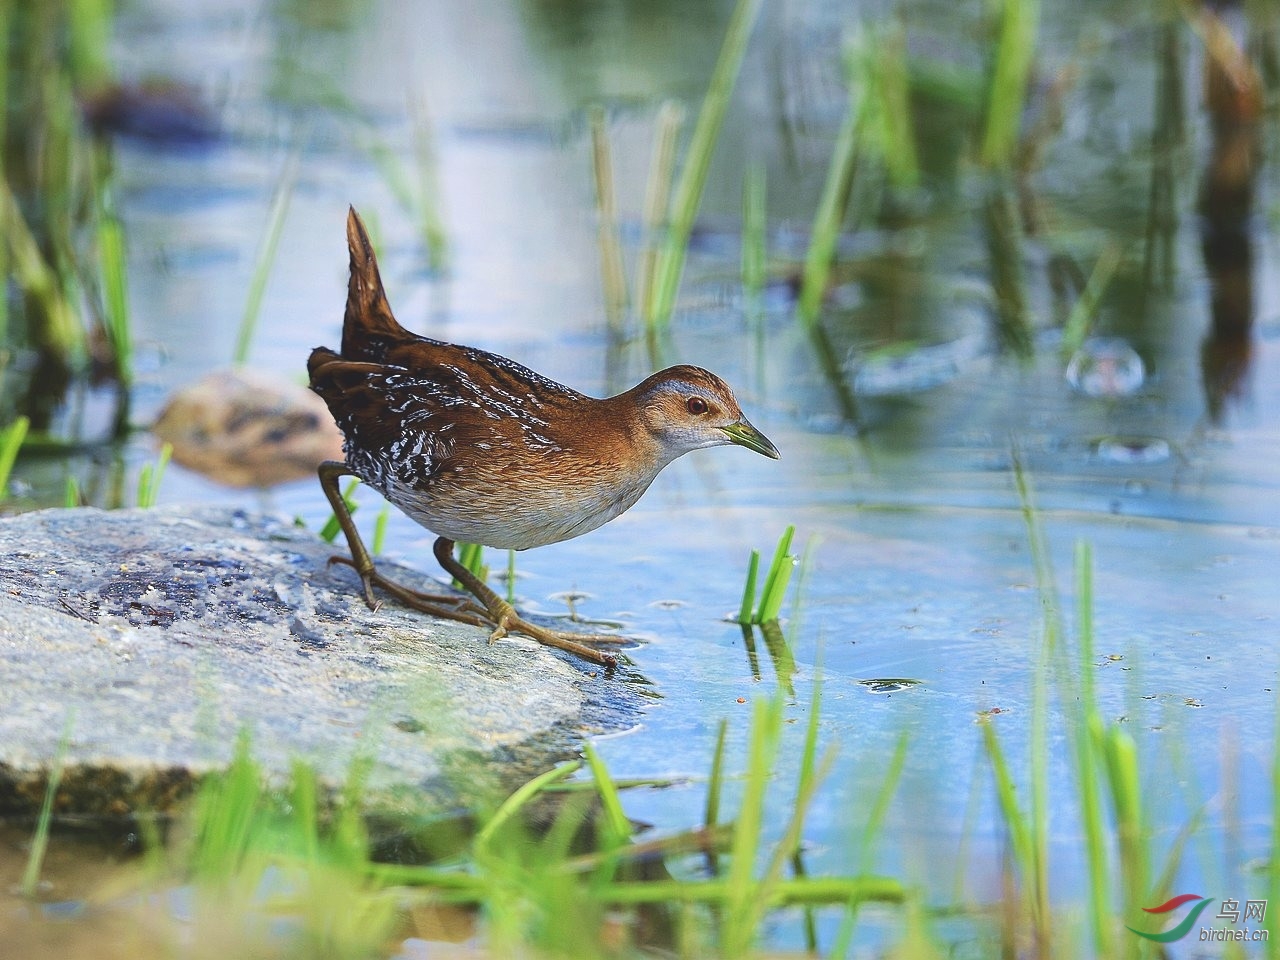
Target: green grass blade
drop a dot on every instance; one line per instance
(427, 209)
(1273, 863)
(894, 88)
(1038, 837)
(227, 817)
(380, 529)
(870, 835)
(830, 215)
(814, 891)
(266, 259)
(879, 81)
(880, 808)
(715, 785)
(162, 462)
(150, 475)
(1011, 73)
(6, 27)
(304, 800)
(749, 590)
(71, 495)
(1121, 759)
(789, 845)
(518, 800)
(329, 532)
(809, 750)
(613, 276)
(1091, 814)
(742, 892)
(1083, 311)
(115, 297)
(617, 828)
(744, 922)
(58, 330)
(11, 439)
(802, 567)
(715, 782)
(755, 224)
(144, 484)
(693, 176)
(1015, 820)
(40, 842)
(471, 556)
(776, 580)
(657, 197)
(90, 44)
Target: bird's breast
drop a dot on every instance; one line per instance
(513, 510)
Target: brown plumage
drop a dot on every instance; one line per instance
(476, 447)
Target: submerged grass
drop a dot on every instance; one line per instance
(30, 882)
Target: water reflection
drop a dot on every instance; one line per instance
(784, 662)
(1233, 91)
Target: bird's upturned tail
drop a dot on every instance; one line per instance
(368, 322)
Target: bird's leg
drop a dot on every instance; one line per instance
(329, 473)
(440, 605)
(507, 620)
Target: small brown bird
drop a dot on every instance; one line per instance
(479, 449)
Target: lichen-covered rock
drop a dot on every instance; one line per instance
(158, 636)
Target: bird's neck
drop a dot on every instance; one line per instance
(628, 436)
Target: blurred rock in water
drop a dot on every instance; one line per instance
(248, 428)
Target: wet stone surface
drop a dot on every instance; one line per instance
(157, 637)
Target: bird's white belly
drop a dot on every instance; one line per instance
(524, 521)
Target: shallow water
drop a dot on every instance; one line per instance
(896, 470)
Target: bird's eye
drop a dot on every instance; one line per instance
(696, 405)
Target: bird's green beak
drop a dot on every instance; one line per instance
(744, 434)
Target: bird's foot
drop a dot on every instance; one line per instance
(502, 617)
(448, 606)
(506, 621)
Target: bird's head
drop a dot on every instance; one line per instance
(686, 408)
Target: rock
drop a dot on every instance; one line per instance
(249, 428)
(159, 635)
